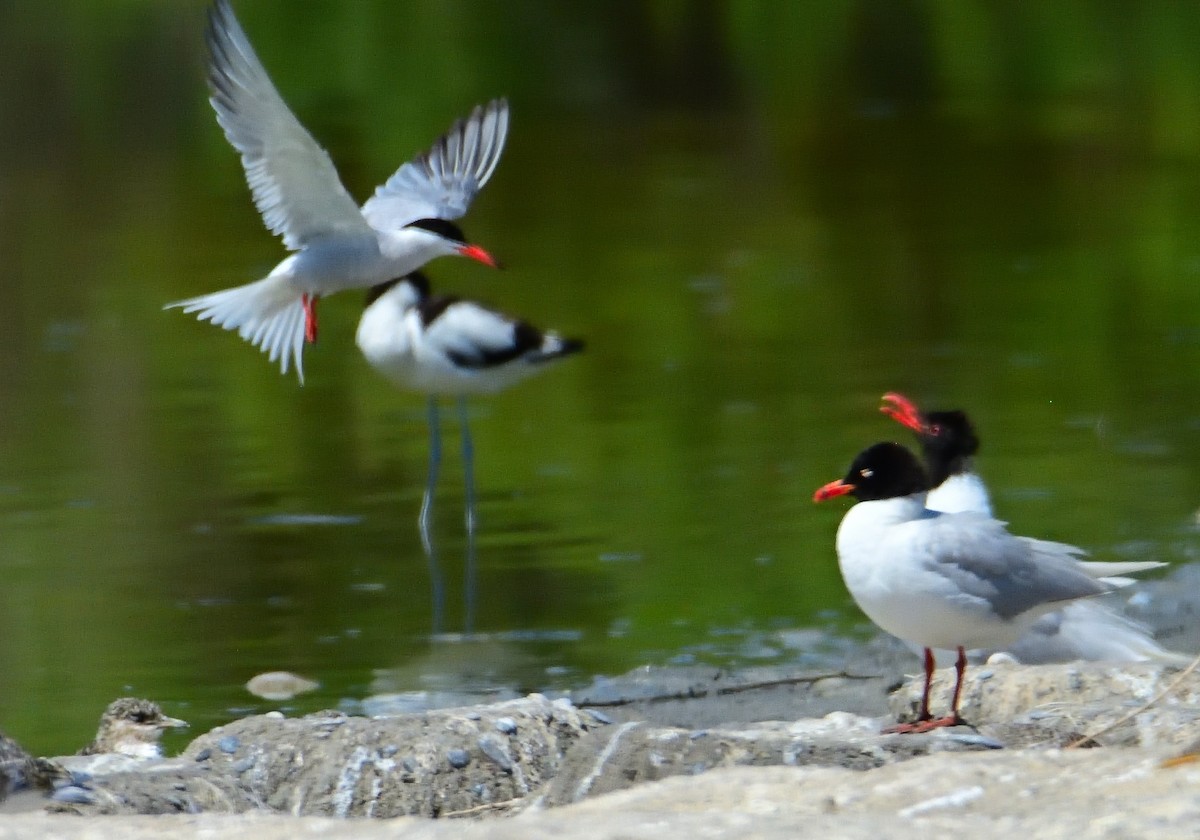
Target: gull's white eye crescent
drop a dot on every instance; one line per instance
(866, 472)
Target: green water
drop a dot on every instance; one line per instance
(761, 217)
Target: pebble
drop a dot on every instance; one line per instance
(599, 716)
(73, 794)
(494, 750)
(243, 765)
(458, 758)
(409, 763)
(204, 754)
(388, 750)
(229, 744)
(506, 725)
(473, 716)
(974, 740)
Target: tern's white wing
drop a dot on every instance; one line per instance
(441, 183)
(295, 186)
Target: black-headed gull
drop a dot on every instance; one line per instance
(337, 245)
(441, 345)
(954, 581)
(1087, 629)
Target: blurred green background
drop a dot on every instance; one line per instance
(761, 216)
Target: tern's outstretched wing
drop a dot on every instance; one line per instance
(295, 186)
(442, 182)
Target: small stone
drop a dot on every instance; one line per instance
(473, 716)
(229, 744)
(458, 758)
(494, 750)
(599, 716)
(388, 750)
(409, 763)
(279, 685)
(506, 725)
(243, 765)
(974, 740)
(204, 754)
(74, 795)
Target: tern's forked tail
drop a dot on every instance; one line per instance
(266, 313)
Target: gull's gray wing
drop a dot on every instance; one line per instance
(442, 182)
(988, 565)
(294, 183)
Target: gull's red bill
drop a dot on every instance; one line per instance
(833, 488)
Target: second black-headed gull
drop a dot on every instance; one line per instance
(441, 345)
(337, 245)
(954, 581)
(1088, 629)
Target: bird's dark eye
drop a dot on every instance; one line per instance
(936, 429)
(141, 717)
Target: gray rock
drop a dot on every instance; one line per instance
(633, 753)
(835, 775)
(1055, 705)
(333, 765)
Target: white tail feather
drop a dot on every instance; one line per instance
(1118, 569)
(266, 313)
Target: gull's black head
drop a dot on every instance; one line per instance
(947, 438)
(882, 471)
(948, 441)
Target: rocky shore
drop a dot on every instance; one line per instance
(678, 754)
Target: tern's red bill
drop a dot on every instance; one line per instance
(476, 253)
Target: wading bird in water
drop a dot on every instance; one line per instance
(336, 244)
(441, 345)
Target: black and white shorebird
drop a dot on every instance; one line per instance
(131, 726)
(338, 245)
(951, 581)
(442, 345)
(1087, 629)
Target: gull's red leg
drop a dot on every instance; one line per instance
(923, 717)
(960, 668)
(929, 667)
(925, 721)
